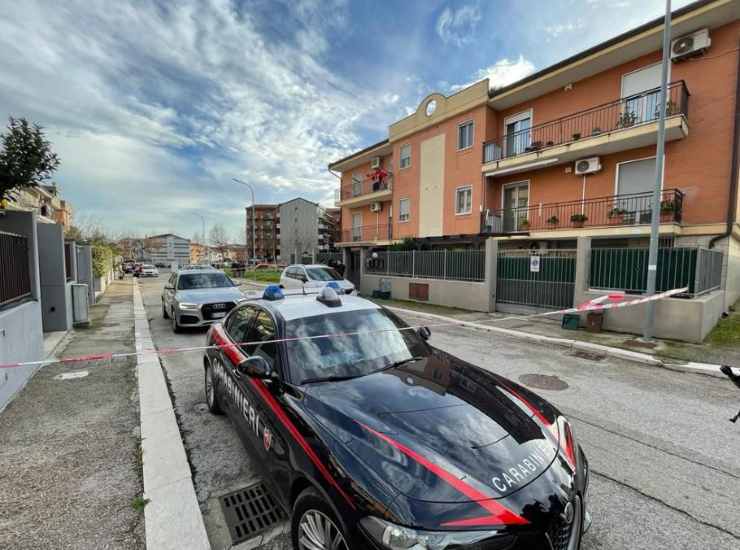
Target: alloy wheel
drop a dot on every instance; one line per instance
(209, 387)
(318, 532)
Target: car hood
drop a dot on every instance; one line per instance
(210, 295)
(440, 414)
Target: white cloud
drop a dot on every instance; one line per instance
(153, 109)
(502, 73)
(558, 29)
(458, 26)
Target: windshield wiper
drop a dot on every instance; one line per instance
(329, 379)
(401, 363)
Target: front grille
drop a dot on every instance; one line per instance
(188, 320)
(250, 511)
(559, 534)
(211, 311)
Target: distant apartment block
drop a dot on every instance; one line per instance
(306, 228)
(167, 249)
(263, 232)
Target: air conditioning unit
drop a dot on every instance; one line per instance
(376, 207)
(375, 163)
(690, 45)
(587, 166)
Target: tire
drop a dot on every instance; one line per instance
(165, 315)
(309, 510)
(214, 406)
(175, 325)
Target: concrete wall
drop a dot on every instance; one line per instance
(21, 335)
(299, 229)
(56, 303)
(21, 339)
(462, 294)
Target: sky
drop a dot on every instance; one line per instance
(153, 107)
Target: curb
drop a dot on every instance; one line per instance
(172, 517)
(706, 369)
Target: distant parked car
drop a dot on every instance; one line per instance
(314, 276)
(198, 297)
(148, 270)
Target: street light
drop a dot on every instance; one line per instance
(254, 214)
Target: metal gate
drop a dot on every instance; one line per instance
(353, 269)
(542, 278)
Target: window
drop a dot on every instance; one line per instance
(464, 200)
(323, 274)
(639, 90)
(637, 176)
(203, 280)
(518, 134)
(405, 158)
(238, 323)
(356, 185)
(465, 135)
(404, 210)
(262, 330)
(356, 227)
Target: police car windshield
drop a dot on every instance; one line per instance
(322, 274)
(192, 281)
(377, 345)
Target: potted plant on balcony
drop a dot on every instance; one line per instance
(667, 210)
(578, 220)
(596, 131)
(553, 221)
(549, 143)
(524, 224)
(627, 119)
(616, 215)
(576, 136)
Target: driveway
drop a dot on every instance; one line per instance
(664, 458)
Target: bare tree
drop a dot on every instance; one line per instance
(218, 239)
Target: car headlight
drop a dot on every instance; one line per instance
(187, 305)
(396, 537)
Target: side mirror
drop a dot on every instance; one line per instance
(424, 333)
(255, 366)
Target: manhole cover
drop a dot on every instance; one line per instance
(543, 382)
(250, 511)
(201, 407)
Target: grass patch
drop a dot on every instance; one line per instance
(726, 332)
(263, 276)
(139, 503)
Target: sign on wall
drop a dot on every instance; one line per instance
(534, 264)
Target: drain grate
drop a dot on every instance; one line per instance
(250, 511)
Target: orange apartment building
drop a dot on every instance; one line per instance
(566, 152)
(266, 224)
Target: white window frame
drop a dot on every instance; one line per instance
(400, 157)
(637, 70)
(356, 179)
(470, 205)
(519, 183)
(400, 210)
(472, 134)
(529, 113)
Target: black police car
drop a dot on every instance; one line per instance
(375, 439)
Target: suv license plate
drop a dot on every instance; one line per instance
(218, 314)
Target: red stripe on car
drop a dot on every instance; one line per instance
(236, 356)
(498, 514)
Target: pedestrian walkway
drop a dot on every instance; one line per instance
(70, 467)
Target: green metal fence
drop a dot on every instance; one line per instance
(451, 265)
(545, 279)
(698, 269)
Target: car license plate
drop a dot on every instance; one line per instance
(218, 314)
(218, 306)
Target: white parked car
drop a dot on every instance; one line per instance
(148, 270)
(314, 276)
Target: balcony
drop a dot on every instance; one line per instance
(612, 211)
(360, 193)
(620, 125)
(379, 233)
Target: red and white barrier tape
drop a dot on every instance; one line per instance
(601, 303)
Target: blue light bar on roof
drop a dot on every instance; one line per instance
(273, 292)
(334, 285)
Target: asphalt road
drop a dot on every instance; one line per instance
(665, 461)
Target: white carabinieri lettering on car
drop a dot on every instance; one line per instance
(238, 399)
(521, 472)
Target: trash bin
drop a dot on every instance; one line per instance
(571, 321)
(594, 321)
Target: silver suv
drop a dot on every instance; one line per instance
(198, 297)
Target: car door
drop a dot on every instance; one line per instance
(301, 277)
(236, 327)
(268, 431)
(169, 290)
(287, 278)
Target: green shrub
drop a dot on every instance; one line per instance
(102, 259)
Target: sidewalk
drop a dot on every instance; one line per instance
(69, 445)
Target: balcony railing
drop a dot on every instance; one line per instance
(623, 113)
(614, 210)
(368, 233)
(365, 187)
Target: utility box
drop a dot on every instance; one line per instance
(80, 305)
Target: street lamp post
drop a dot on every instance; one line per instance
(254, 214)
